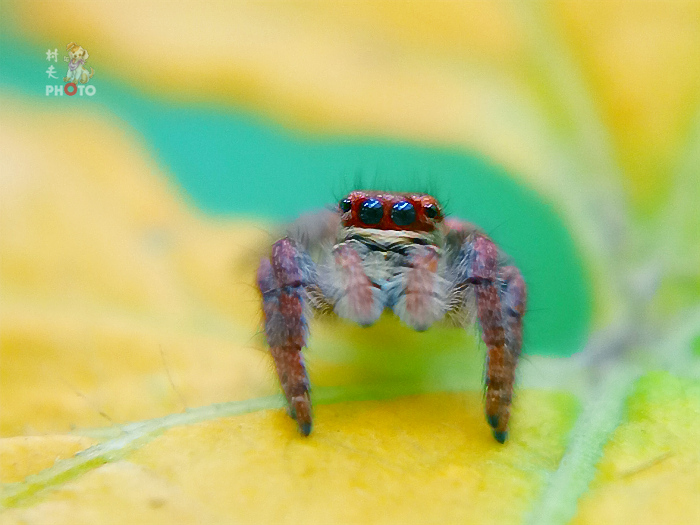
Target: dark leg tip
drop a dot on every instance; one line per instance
(493, 420)
(500, 436)
(305, 428)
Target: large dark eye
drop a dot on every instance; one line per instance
(403, 213)
(431, 210)
(371, 211)
(345, 205)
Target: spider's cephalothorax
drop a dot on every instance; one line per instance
(382, 250)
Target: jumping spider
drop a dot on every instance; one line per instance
(380, 250)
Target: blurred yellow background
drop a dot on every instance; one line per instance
(131, 223)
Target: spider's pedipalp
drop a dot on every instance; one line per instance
(420, 292)
(358, 298)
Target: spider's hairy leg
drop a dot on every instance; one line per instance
(503, 360)
(500, 316)
(281, 283)
(513, 298)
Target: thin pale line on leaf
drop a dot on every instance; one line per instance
(124, 439)
(130, 437)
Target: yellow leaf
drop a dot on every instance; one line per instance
(424, 458)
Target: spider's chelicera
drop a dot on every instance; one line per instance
(381, 250)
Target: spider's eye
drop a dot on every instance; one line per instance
(431, 210)
(371, 211)
(345, 205)
(403, 213)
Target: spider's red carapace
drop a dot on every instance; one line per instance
(390, 211)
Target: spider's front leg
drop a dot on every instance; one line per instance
(500, 296)
(281, 280)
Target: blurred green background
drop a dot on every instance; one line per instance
(132, 221)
